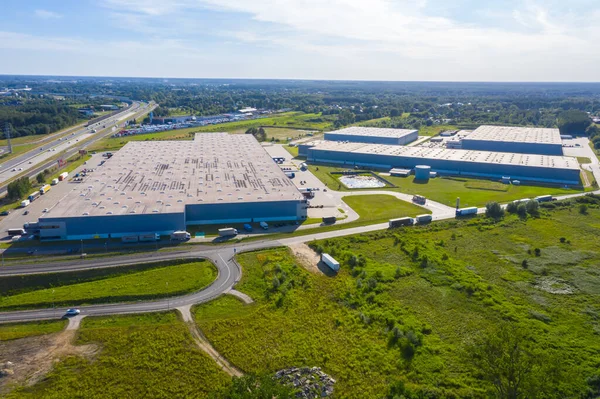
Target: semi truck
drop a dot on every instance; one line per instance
(150, 237)
(180, 235)
(45, 188)
(16, 232)
(466, 211)
(33, 196)
(331, 262)
(264, 225)
(63, 176)
(423, 219)
(406, 221)
(291, 175)
(543, 198)
(25, 203)
(248, 227)
(228, 232)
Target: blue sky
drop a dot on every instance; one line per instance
(459, 40)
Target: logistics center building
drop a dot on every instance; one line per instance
(160, 187)
(375, 135)
(527, 167)
(524, 140)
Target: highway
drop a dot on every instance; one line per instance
(44, 156)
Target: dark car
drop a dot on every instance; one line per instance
(5, 213)
(26, 213)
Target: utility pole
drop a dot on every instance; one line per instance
(7, 136)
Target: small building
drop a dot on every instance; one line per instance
(436, 139)
(396, 172)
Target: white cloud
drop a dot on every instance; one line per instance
(45, 14)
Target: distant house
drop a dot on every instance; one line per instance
(86, 111)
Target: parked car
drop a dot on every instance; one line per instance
(5, 213)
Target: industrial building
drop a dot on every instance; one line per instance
(526, 167)
(524, 140)
(160, 187)
(373, 135)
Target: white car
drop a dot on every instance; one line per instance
(20, 169)
(72, 312)
(14, 169)
(45, 210)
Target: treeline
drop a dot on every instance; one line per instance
(38, 116)
(18, 188)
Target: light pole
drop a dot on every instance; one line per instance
(168, 299)
(82, 246)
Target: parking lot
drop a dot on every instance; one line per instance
(331, 202)
(52, 198)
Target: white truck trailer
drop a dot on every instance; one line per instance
(228, 232)
(25, 203)
(466, 211)
(180, 235)
(331, 262)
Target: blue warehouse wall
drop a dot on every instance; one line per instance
(244, 212)
(114, 226)
(521, 148)
(556, 175)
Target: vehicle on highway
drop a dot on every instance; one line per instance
(45, 210)
(72, 312)
(26, 213)
(20, 169)
(14, 169)
(30, 162)
(5, 213)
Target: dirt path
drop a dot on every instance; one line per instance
(203, 343)
(33, 357)
(245, 298)
(307, 258)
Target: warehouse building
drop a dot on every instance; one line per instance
(524, 140)
(526, 167)
(358, 134)
(160, 187)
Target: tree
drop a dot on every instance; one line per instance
(512, 207)
(533, 207)
(507, 359)
(40, 178)
(494, 210)
(573, 122)
(18, 188)
(522, 210)
(583, 209)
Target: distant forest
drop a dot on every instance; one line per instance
(386, 104)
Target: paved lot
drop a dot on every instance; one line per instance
(16, 218)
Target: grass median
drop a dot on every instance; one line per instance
(12, 331)
(140, 282)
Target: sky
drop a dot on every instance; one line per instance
(401, 40)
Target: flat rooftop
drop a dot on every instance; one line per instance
(532, 135)
(505, 158)
(147, 177)
(373, 132)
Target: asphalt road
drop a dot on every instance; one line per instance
(229, 272)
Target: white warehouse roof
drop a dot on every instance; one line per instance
(506, 158)
(163, 176)
(373, 132)
(516, 134)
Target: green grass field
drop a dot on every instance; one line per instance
(583, 160)
(472, 192)
(409, 308)
(11, 331)
(290, 121)
(145, 356)
(147, 284)
(381, 208)
(434, 130)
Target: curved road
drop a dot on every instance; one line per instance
(229, 271)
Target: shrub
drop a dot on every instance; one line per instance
(524, 264)
(537, 251)
(522, 210)
(512, 207)
(533, 208)
(583, 209)
(494, 210)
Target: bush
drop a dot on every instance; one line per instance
(522, 210)
(512, 207)
(533, 208)
(583, 209)
(494, 210)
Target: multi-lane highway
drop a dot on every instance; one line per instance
(65, 146)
